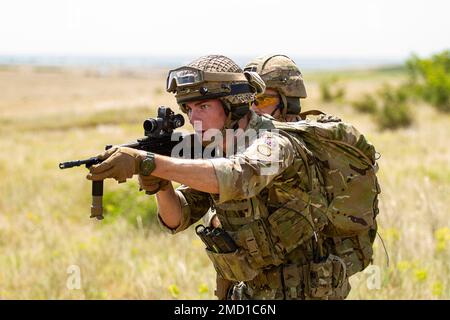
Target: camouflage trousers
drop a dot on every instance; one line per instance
(325, 280)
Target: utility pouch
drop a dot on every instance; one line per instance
(341, 286)
(232, 266)
(258, 243)
(217, 239)
(290, 225)
(356, 252)
(320, 282)
(223, 240)
(223, 286)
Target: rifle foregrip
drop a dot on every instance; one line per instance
(97, 200)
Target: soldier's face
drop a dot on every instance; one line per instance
(209, 113)
(268, 108)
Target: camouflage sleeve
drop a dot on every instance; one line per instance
(245, 174)
(194, 205)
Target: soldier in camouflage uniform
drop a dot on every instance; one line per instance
(274, 216)
(281, 99)
(285, 87)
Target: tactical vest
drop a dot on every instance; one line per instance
(318, 216)
(281, 228)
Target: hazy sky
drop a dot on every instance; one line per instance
(316, 28)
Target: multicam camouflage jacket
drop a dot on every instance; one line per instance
(274, 210)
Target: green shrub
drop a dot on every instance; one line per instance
(331, 90)
(395, 112)
(430, 79)
(325, 91)
(394, 116)
(391, 95)
(367, 104)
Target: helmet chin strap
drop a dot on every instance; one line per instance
(234, 114)
(232, 121)
(282, 106)
(285, 106)
(278, 107)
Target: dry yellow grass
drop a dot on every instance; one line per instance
(53, 115)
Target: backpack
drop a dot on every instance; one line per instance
(347, 164)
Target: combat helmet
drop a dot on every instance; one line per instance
(280, 72)
(216, 77)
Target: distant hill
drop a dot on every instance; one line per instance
(305, 63)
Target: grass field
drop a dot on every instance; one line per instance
(49, 115)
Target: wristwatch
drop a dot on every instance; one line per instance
(148, 164)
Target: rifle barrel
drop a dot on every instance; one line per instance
(76, 163)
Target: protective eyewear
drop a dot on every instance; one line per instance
(187, 76)
(265, 101)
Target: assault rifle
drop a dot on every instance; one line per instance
(158, 133)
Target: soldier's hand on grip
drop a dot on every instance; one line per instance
(121, 163)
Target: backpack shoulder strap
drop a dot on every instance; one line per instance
(304, 114)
